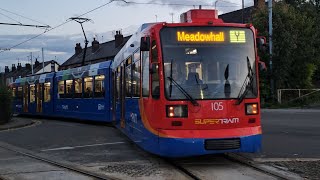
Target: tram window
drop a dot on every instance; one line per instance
(155, 84)
(19, 93)
(78, 88)
(99, 86)
(32, 93)
(136, 55)
(69, 89)
(136, 79)
(154, 51)
(155, 75)
(47, 96)
(213, 71)
(145, 73)
(13, 90)
(61, 89)
(128, 81)
(88, 87)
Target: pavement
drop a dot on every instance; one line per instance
(16, 122)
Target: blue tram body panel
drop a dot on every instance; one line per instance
(32, 103)
(40, 94)
(91, 107)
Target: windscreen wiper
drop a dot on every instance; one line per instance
(247, 84)
(184, 92)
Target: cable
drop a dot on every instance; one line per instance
(10, 18)
(23, 16)
(21, 56)
(47, 30)
(67, 21)
(168, 4)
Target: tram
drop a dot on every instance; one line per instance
(189, 88)
(175, 89)
(81, 93)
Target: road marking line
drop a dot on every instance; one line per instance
(284, 159)
(74, 147)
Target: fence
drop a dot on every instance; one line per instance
(289, 95)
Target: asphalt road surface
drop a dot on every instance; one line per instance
(292, 133)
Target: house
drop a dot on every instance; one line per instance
(236, 16)
(96, 53)
(19, 71)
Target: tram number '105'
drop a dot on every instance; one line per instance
(217, 106)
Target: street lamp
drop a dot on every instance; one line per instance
(80, 21)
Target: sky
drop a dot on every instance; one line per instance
(106, 18)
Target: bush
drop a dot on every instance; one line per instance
(5, 105)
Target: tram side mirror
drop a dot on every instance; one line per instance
(145, 44)
(262, 43)
(153, 68)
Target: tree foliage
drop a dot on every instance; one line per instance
(5, 104)
(296, 44)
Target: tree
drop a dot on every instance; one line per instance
(295, 43)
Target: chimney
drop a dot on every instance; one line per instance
(13, 68)
(118, 39)
(6, 69)
(36, 64)
(95, 45)
(78, 48)
(19, 67)
(28, 66)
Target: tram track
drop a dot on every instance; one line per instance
(182, 169)
(58, 164)
(222, 167)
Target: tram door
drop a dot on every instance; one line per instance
(25, 98)
(122, 97)
(114, 95)
(39, 98)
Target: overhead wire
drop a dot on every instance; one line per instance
(23, 16)
(171, 4)
(47, 30)
(67, 21)
(25, 54)
(10, 18)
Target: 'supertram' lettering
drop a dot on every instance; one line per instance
(200, 37)
(217, 121)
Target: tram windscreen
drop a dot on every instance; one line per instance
(202, 60)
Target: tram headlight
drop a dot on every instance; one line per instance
(175, 111)
(252, 109)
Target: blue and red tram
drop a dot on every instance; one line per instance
(189, 88)
(175, 89)
(81, 93)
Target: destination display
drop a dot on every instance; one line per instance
(206, 35)
(235, 36)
